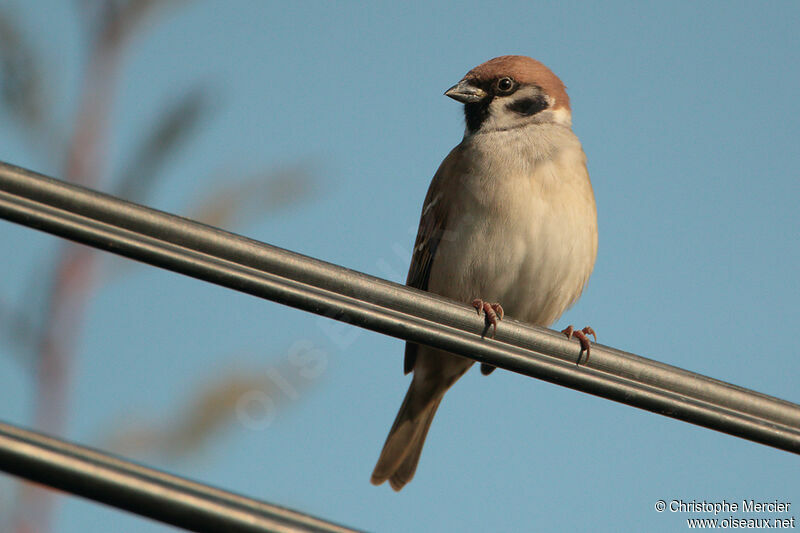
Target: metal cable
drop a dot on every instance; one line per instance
(210, 254)
(144, 491)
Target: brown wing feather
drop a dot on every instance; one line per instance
(431, 229)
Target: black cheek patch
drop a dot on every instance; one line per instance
(528, 106)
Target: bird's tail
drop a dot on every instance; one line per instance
(400, 454)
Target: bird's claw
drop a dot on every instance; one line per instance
(581, 335)
(492, 313)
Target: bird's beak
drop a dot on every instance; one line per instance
(465, 92)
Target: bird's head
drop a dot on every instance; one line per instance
(509, 92)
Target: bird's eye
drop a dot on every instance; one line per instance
(505, 85)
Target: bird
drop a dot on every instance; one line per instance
(509, 224)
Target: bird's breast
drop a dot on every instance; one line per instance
(521, 231)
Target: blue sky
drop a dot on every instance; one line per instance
(688, 113)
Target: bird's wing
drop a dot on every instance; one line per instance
(432, 227)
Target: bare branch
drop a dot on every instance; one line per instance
(208, 411)
(21, 87)
(114, 21)
(173, 128)
(17, 329)
(238, 201)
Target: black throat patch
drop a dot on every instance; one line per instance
(476, 113)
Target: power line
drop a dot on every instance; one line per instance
(214, 255)
(144, 491)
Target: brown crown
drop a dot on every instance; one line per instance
(525, 70)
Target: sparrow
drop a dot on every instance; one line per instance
(509, 217)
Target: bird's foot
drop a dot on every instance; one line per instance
(581, 335)
(492, 313)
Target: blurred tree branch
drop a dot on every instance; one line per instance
(21, 78)
(165, 137)
(208, 410)
(50, 327)
(236, 202)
